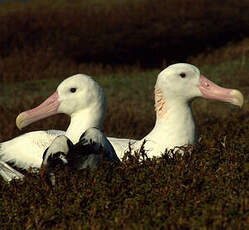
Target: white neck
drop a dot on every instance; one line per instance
(84, 119)
(174, 126)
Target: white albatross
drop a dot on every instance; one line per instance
(78, 96)
(175, 89)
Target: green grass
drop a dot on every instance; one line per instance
(121, 87)
(137, 86)
(128, 95)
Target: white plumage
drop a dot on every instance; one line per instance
(8, 173)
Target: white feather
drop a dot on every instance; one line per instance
(8, 173)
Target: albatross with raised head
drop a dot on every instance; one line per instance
(78, 96)
(176, 87)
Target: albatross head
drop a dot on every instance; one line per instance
(183, 82)
(75, 94)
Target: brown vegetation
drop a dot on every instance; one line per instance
(207, 189)
(40, 36)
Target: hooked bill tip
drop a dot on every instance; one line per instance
(20, 120)
(237, 98)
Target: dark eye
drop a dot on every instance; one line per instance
(183, 75)
(73, 90)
